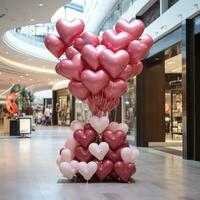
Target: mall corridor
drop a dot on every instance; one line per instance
(28, 171)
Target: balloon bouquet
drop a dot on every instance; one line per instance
(98, 69)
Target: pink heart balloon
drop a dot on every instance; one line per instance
(116, 41)
(114, 126)
(59, 160)
(146, 39)
(115, 89)
(137, 51)
(71, 52)
(66, 155)
(99, 151)
(134, 28)
(114, 63)
(99, 123)
(127, 73)
(75, 125)
(78, 90)
(86, 38)
(55, 45)
(94, 81)
(69, 31)
(91, 55)
(71, 68)
(67, 170)
(138, 67)
(71, 143)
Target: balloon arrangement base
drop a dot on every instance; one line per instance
(94, 180)
(97, 152)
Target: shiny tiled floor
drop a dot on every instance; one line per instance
(28, 172)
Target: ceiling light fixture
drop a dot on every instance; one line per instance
(40, 4)
(32, 20)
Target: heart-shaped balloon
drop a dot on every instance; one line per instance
(71, 69)
(104, 169)
(124, 171)
(66, 155)
(94, 81)
(114, 139)
(146, 39)
(67, 170)
(99, 123)
(127, 73)
(82, 154)
(69, 31)
(137, 51)
(85, 137)
(71, 143)
(55, 45)
(99, 151)
(59, 160)
(116, 41)
(134, 28)
(129, 155)
(78, 90)
(86, 38)
(114, 63)
(91, 55)
(114, 126)
(115, 89)
(114, 155)
(71, 52)
(138, 68)
(87, 170)
(75, 125)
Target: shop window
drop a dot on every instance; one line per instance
(151, 14)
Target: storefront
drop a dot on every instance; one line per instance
(168, 104)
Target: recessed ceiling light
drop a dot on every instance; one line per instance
(32, 20)
(40, 4)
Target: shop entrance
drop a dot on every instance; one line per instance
(173, 98)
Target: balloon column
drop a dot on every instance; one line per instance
(98, 69)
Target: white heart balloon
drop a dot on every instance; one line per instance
(99, 123)
(99, 151)
(75, 125)
(87, 170)
(67, 170)
(114, 126)
(129, 154)
(74, 164)
(66, 155)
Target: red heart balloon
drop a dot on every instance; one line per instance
(94, 81)
(88, 126)
(137, 51)
(82, 154)
(146, 39)
(104, 168)
(78, 90)
(86, 38)
(71, 68)
(114, 139)
(115, 89)
(91, 55)
(124, 171)
(114, 155)
(55, 45)
(125, 144)
(116, 41)
(114, 63)
(134, 28)
(71, 52)
(85, 137)
(138, 67)
(127, 73)
(69, 31)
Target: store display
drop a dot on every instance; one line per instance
(98, 70)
